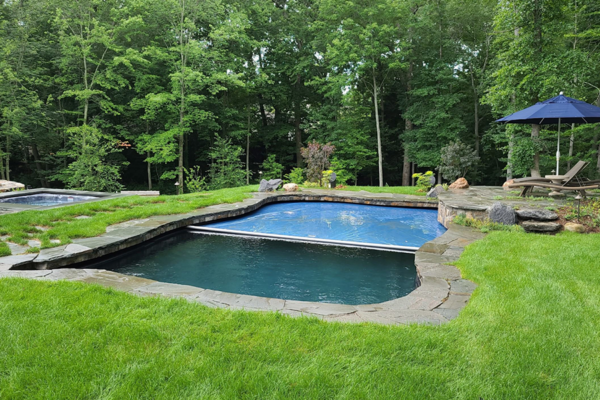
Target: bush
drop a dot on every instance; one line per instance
(92, 168)
(316, 156)
(423, 180)
(295, 176)
(226, 169)
(194, 181)
(457, 159)
(271, 169)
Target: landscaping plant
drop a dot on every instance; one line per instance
(316, 156)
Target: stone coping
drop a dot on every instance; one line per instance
(439, 298)
(8, 208)
(475, 202)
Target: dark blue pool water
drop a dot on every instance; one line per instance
(46, 199)
(395, 226)
(271, 268)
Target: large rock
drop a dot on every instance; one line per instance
(502, 214)
(541, 227)
(508, 182)
(573, 227)
(460, 183)
(290, 187)
(269, 186)
(434, 192)
(537, 214)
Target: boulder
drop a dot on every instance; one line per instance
(573, 227)
(537, 214)
(434, 192)
(541, 227)
(290, 187)
(269, 186)
(502, 214)
(508, 182)
(460, 183)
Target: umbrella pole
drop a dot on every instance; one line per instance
(558, 149)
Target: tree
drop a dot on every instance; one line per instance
(365, 48)
(317, 156)
(457, 159)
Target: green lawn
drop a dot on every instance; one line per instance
(387, 189)
(62, 224)
(531, 331)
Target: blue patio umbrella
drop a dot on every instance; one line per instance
(557, 110)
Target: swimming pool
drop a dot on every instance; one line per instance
(271, 268)
(46, 199)
(393, 228)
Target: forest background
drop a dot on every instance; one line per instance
(107, 94)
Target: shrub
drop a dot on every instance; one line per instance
(295, 176)
(423, 180)
(226, 169)
(316, 156)
(94, 166)
(457, 159)
(271, 169)
(194, 181)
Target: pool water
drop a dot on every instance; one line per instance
(271, 268)
(46, 199)
(388, 226)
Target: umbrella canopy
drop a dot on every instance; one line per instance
(557, 110)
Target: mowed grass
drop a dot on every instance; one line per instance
(386, 189)
(62, 223)
(531, 331)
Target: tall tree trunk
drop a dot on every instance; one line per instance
(182, 105)
(38, 164)
(297, 131)
(406, 164)
(571, 143)
(475, 113)
(248, 151)
(380, 163)
(7, 168)
(149, 171)
(597, 142)
(535, 135)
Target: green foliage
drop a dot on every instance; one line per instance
(226, 169)
(165, 77)
(271, 169)
(486, 225)
(194, 181)
(295, 176)
(423, 180)
(456, 160)
(92, 168)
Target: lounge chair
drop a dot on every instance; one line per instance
(570, 181)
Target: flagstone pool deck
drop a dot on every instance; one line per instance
(439, 298)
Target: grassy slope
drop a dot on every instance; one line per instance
(530, 332)
(64, 226)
